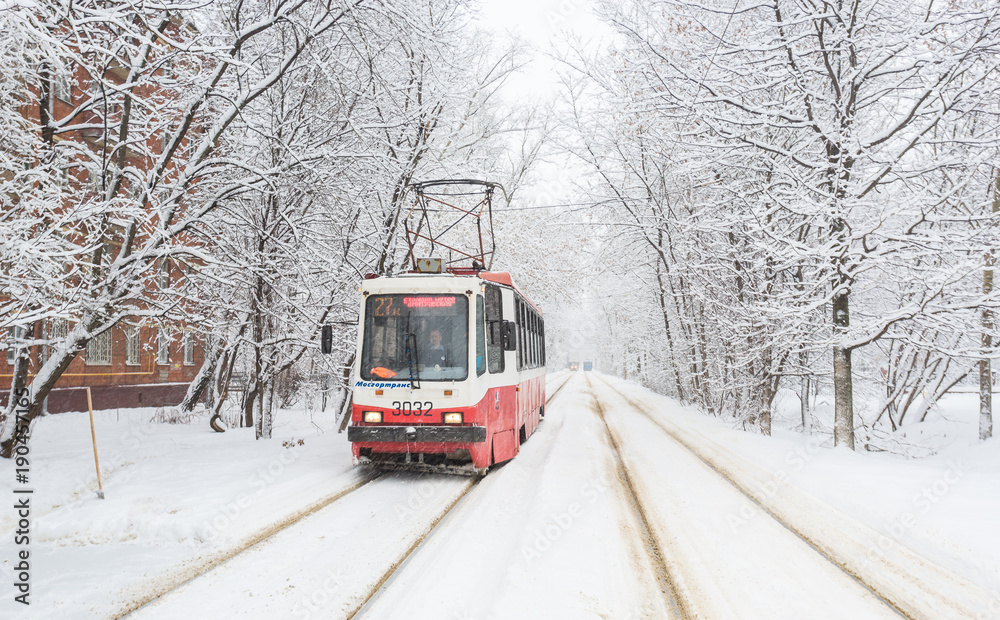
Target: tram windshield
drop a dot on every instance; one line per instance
(423, 337)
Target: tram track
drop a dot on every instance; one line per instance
(386, 580)
(187, 575)
(898, 600)
(666, 574)
(552, 396)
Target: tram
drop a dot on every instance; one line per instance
(449, 373)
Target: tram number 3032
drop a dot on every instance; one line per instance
(416, 408)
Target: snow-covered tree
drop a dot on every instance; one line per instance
(132, 104)
(787, 160)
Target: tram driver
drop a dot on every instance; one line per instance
(436, 354)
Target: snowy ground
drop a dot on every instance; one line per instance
(552, 534)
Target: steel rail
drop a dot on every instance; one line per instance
(886, 598)
(246, 544)
(664, 574)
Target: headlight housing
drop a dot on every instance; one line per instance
(452, 417)
(372, 417)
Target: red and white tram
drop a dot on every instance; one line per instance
(449, 372)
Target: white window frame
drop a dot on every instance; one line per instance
(163, 275)
(132, 349)
(93, 181)
(58, 330)
(14, 332)
(61, 86)
(188, 349)
(99, 349)
(162, 347)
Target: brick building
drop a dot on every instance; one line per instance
(133, 364)
(126, 366)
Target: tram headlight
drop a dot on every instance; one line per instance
(373, 417)
(452, 417)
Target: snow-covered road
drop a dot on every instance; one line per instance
(614, 509)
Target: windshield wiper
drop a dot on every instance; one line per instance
(412, 361)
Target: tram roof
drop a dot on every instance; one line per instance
(430, 281)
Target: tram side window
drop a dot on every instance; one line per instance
(494, 324)
(480, 336)
(537, 330)
(527, 334)
(534, 340)
(520, 335)
(534, 331)
(541, 337)
(521, 343)
(531, 338)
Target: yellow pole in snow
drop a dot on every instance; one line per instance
(93, 437)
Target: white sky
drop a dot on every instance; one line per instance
(539, 23)
(543, 26)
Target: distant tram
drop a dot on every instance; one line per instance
(449, 373)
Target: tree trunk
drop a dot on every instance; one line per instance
(985, 370)
(804, 403)
(681, 396)
(843, 398)
(765, 416)
(843, 388)
(203, 380)
(19, 376)
(40, 387)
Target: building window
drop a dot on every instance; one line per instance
(58, 329)
(99, 349)
(95, 182)
(13, 335)
(131, 345)
(61, 86)
(135, 192)
(94, 88)
(162, 347)
(164, 275)
(188, 349)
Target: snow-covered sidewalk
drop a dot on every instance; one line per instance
(176, 495)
